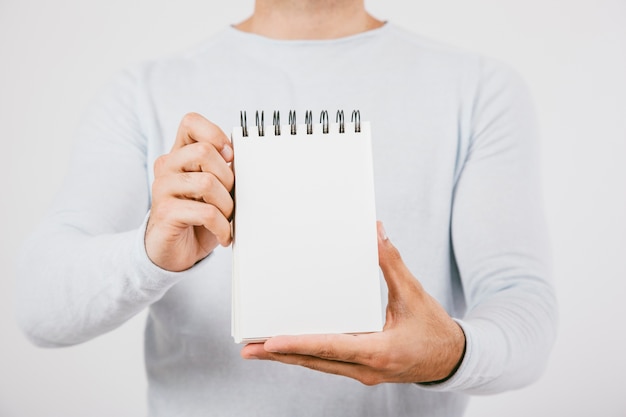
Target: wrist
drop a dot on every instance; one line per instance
(457, 354)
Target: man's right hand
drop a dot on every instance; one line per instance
(191, 200)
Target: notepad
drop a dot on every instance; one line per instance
(305, 257)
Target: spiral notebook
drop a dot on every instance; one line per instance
(305, 254)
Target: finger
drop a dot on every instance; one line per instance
(195, 128)
(362, 349)
(195, 213)
(196, 157)
(254, 351)
(359, 372)
(198, 186)
(395, 271)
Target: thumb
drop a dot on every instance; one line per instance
(396, 273)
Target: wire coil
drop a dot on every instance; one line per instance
(293, 126)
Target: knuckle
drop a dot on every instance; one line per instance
(190, 119)
(206, 182)
(326, 349)
(216, 222)
(394, 254)
(351, 357)
(369, 380)
(326, 352)
(159, 163)
(186, 177)
(311, 365)
(160, 209)
(158, 190)
(229, 209)
(229, 181)
(204, 150)
(211, 214)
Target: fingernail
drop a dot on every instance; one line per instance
(227, 152)
(382, 235)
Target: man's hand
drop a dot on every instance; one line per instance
(191, 201)
(419, 343)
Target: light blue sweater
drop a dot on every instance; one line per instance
(457, 187)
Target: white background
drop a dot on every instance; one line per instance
(54, 55)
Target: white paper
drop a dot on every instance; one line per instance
(305, 257)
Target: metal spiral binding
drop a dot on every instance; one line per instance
(292, 121)
(308, 120)
(276, 123)
(260, 124)
(324, 121)
(340, 119)
(356, 119)
(244, 123)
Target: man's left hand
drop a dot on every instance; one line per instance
(419, 343)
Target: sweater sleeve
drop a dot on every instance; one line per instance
(84, 271)
(500, 243)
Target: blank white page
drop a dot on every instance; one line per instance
(305, 257)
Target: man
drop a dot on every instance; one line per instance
(455, 158)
